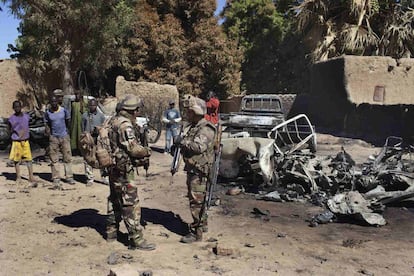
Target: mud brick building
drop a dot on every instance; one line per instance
(155, 96)
(367, 97)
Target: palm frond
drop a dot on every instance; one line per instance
(398, 38)
(355, 38)
(310, 12)
(326, 47)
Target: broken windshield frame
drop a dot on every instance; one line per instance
(262, 104)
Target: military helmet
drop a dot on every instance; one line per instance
(195, 104)
(131, 102)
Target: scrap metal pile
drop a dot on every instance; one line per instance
(345, 189)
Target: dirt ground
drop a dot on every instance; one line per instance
(47, 232)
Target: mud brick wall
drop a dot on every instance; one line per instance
(10, 85)
(366, 97)
(155, 96)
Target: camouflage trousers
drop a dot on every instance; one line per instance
(123, 204)
(60, 145)
(197, 189)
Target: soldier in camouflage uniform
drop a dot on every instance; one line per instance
(123, 202)
(197, 147)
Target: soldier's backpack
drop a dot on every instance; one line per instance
(97, 155)
(104, 156)
(87, 148)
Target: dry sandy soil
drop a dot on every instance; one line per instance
(47, 232)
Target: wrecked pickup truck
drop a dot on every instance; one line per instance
(259, 133)
(258, 114)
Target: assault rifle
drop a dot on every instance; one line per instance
(213, 175)
(215, 168)
(175, 164)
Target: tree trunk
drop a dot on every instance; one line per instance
(67, 86)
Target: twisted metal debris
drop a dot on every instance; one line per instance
(341, 186)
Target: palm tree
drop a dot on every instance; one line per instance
(398, 36)
(358, 27)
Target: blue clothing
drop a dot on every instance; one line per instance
(56, 120)
(170, 134)
(92, 120)
(171, 114)
(171, 118)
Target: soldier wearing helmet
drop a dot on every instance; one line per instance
(197, 148)
(123, 202)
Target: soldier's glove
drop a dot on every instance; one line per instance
(185, 151)
(178, 140)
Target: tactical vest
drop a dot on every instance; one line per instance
(204, 161)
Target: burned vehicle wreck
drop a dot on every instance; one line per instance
(283, 166)
(253, 137)
(344, 189)
(258, 114)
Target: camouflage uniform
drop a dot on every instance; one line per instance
(123, 202)
(197, 148)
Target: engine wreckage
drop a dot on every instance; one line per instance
(292, 172)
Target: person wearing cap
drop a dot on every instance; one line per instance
(123, 202)
(57, 120)
(58, 93)
(197, 148)
(171, 118)
(212, 104)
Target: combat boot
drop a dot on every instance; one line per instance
(56, 184)
(111, 235)
(195, 236)
(140, 245)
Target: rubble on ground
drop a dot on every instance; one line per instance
(345, 189)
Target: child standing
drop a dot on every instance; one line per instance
(20, 150)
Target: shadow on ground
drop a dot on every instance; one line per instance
(84, 218)
(44, 176)
(169, 220)
(9, 176)
(92, 219)
(157, 149)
